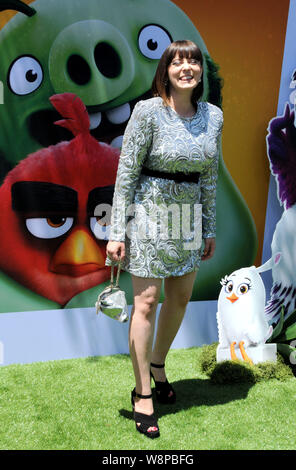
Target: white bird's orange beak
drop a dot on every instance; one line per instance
(232, 298)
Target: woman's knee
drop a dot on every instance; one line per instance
(146, 295)
(146, 304)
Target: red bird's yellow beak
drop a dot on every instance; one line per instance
(232, 298)
(79, 254)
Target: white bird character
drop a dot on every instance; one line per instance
(241, 317)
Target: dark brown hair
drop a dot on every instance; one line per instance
(184, 49)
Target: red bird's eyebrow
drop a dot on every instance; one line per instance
(42, 197)
(99, 195)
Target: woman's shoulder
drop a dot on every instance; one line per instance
(150, 103)
(145, 108)
(212, 108)
(214, 113)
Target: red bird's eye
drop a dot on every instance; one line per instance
(100, 227)
(56, 221)
(102, 221)
(50, 227)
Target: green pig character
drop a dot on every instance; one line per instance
(106, 53)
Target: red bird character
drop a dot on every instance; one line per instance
(52, 242)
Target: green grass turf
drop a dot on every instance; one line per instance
(85, 404)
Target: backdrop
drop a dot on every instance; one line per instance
(52, 248)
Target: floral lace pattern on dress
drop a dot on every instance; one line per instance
(161, 221)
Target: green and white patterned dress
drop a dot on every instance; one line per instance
(162, 221)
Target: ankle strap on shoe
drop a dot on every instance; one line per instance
(138, 395)
(159, 366)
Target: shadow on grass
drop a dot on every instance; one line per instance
(197, 392)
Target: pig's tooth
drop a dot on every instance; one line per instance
(120, 114)
(117, 142)
(95, 120)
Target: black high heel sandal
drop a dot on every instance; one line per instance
(146, 421)
(163, 389)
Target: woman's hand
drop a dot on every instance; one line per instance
(115, 250)
(209, 248)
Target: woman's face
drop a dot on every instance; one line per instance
(184, 74)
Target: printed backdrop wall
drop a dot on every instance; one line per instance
(52, 252)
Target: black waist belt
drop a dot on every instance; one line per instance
(179, 177)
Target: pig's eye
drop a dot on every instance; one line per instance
(153, 40)
(25, 75)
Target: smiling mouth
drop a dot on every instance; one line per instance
(186, 78)
(106, 126)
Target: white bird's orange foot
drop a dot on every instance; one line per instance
(244, 354)
(232, 352)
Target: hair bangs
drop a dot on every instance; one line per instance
(185, 50)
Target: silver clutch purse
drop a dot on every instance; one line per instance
(112, 301)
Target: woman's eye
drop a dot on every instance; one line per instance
(50, 227)
(229, 287)
(177, 63)
(25, 75)
(153, 40)
(243, 288)
(99, 228)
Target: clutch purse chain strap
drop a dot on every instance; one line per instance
(111, 286)
(117, 276)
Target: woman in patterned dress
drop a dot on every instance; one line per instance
(166, 180)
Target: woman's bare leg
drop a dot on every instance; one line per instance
(146, 297)
(178, 291)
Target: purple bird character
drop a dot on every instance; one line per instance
(281, 148)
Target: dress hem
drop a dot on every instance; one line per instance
(160, 277)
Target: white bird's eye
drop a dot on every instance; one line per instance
(243, 288)
(25, 75)
(99, 229)
(50, 227)
(153, 40)
(229, 287)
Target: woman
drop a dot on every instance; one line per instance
(168, 167)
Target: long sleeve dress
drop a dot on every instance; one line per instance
(161, 221)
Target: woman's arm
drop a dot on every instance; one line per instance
(208, 188)
(136, 142)
(209, 248)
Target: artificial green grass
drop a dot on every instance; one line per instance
(85, 404)
(230, 372)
